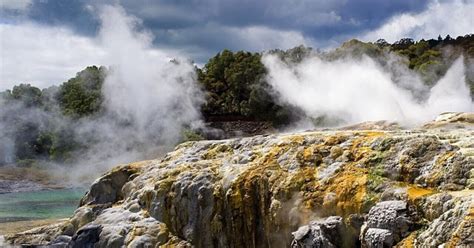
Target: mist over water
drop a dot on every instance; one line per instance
(357, 90)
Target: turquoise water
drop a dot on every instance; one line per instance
(44, 204)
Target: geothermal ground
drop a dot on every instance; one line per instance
(337, 188)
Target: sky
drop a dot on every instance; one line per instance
(45, 42)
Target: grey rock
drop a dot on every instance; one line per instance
(378, 238)
(86, 237)
(81, 217)
(108, 188)
(323, 233)
(452, 222)
(435, 205)
(390, 216)
(61, 241)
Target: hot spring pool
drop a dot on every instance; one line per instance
(44, 204)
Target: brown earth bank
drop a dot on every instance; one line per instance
(10, 228)
(362, 187)
(21, 179)
(239, 128)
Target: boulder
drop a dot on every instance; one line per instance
(86, 237)
(321, 233)
(386, 224)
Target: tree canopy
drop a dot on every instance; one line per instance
(82, 95)
(235, 86)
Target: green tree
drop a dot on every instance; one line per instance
(29, 95)
(81, 95)
(229, 79)
(293, 55)
(236, 87)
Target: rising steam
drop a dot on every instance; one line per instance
(150, 96)
(144, 87)
(351, 91)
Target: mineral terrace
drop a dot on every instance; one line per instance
(336, 188)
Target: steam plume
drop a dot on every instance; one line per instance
(149, 97)
(353, 91)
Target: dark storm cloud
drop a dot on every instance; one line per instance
(207, 24)
(320, 20)
(72, 13)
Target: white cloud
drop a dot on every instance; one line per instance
(440, 18)
(263, 38)
(45, 55)
(15, 4)
(251, 38)
(42, 55)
